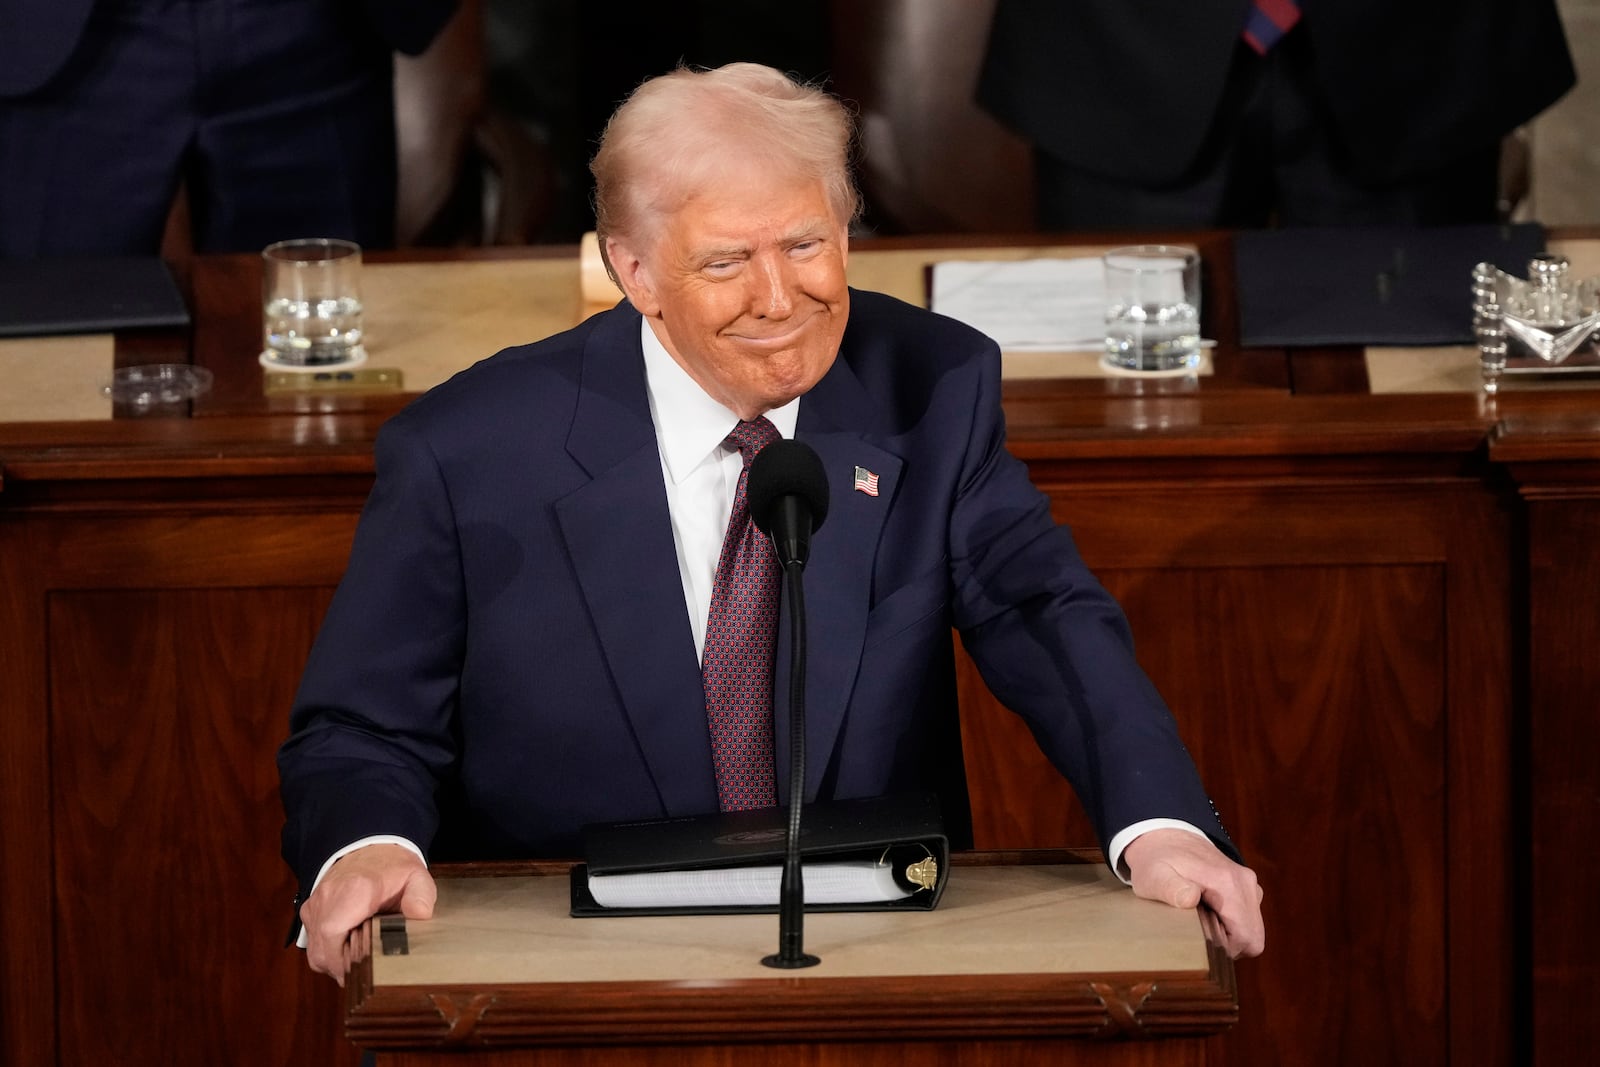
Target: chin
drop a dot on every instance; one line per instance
(783, 388)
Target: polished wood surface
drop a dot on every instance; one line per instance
(1555, 462)
(1030, 1052)
(1372, 615)
(1047, 950)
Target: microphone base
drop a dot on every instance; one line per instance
(791, 961)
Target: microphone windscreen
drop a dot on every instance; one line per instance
(786, 468)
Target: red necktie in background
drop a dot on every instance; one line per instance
(736, 667)
(1268, 21)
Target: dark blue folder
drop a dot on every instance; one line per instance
(1360, 285)
(90, 295)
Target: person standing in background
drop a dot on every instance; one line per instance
(1239, 113)
(277, 115)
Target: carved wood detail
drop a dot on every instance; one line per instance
(885, 1009)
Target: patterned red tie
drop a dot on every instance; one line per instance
(1268, 21)
(737, 664)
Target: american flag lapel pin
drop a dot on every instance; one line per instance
(866, 482)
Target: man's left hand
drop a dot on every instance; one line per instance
(1183, 869)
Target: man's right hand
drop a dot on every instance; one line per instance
(370, 880)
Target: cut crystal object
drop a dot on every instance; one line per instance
(1544, 324)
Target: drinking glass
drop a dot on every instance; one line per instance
(311, 300)
(1152, 308)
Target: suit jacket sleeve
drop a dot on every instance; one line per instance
(1053, 645)
(371, 734)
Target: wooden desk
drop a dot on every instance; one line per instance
(1033, 957)
(1372, 615)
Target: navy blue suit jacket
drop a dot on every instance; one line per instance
(1129, 90)
(37, 37)
(509, 655)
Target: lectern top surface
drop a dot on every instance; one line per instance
(1069, 919)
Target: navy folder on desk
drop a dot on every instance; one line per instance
(1361, 285)
(90, 295)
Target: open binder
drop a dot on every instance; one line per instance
(897, 839)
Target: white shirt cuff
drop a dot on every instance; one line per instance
(376, 839)
(1125, 838)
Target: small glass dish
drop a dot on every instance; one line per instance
(157, 384)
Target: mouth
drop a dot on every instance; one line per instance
(775, 340)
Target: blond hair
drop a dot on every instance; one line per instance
(675, 134)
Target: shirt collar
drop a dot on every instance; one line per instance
(689, 424)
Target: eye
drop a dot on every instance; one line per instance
(721, 268)
(805, 248)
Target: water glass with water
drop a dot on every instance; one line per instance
(311, 294)
(1152, 308)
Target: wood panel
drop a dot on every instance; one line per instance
(146, 905)
(1337, 653)
(1312, 691)
(1564, 767)
(1485, 1022)
(167, 709)
(27, 898)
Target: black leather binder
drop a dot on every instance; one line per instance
(1369, 285)
(900, 830)
(90, 295)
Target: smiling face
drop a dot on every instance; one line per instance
(745, 286)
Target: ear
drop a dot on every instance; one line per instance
(634, 277)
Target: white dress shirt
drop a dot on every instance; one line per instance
(700, 471)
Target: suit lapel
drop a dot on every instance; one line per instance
(837, 419)
(619, 537)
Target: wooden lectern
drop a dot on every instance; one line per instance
(1029, 958)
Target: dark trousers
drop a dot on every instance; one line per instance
(277, 114)
(1271, 157)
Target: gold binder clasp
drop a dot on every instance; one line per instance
(924, 873)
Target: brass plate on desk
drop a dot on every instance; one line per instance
(358, 380)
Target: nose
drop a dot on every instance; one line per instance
(773, 285)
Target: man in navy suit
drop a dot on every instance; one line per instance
(515, 648)
(278, 115)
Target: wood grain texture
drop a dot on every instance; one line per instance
(1313, 701)
(1486, 1022)
(167, 708)
(1064, 1052)
(27, 899)
(935, 1007)
(1335, 652)
(635, 981)
(1564, 769)
(1554, 460)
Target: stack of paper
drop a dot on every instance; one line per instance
(1042, 305)
(861, 882)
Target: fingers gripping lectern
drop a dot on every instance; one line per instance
(1027, 954)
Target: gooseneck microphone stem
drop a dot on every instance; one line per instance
(791, 893)
(788, 495)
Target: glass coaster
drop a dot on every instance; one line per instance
(157, 384)
(358, 356)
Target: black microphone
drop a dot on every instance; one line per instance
(787, 493)
(788, 497)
